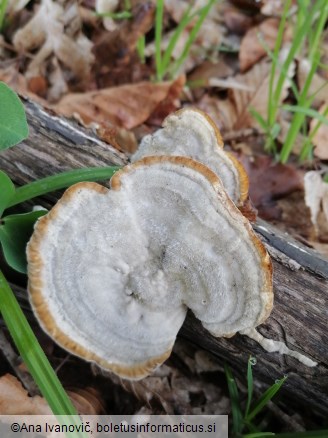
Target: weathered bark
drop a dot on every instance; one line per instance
(300, 313)
(299, 319)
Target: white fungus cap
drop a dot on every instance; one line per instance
(192, 133)
(112, 272)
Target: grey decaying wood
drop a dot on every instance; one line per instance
(300, 313)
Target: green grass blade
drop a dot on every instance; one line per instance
(302, 109)
(301, 113)
(3, 9)
(251, 362)
(278, 43)
(307, 112)
(158, 38)
(185, 20)
(60, 181)
(317, 36)
(299, 38)
(299, 117)
(265, 398)
(275, 59)
(192, 36)
(141, 44)
(32, 353)
(237, 417)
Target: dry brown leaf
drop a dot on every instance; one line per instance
(177, 9)
(209, 69)
(320, 139)
(87, 401)
(223, 112)
(170, 103)
(236, 21)
(176, 385)
(270, 181)
(19, 83)
(55, 31)
(320, 247)
(14, 399)
(318, 86)
(229, 83)
(125, 106)
(258, 78)
(274, 7)
(252, 47)
(316, 196)
(116, 60)
(233, 113)
(119, 138)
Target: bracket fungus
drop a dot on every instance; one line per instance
(112, 272)
(192, 133)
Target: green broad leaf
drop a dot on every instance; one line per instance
(13, 124)
(7, 191)
(15, 232)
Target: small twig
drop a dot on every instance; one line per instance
(15, 362)
(237, 135)
(63, 362)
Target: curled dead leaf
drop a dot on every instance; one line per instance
(87, 401)
(120, 138)
(14, 400)
(249, 90)
(253, 45)
(316, 196)
(223, 112)
(125, 106)
(236, 21)
(51, 32)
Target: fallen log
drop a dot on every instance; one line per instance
(300, 314)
